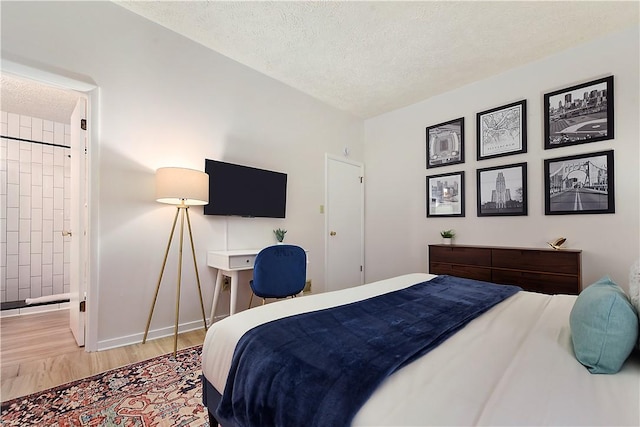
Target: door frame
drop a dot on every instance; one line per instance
(329, 158)
(91, 92)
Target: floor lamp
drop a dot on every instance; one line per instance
(182, 188)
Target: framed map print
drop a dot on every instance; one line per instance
(502, 131)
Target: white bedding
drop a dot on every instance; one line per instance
(514, 365)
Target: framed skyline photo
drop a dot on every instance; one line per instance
(579, 114)
(502, 131)
(502, 190)
(445, 195)
(445, 143)
(580, 184)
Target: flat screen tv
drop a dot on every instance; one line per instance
(239, 190)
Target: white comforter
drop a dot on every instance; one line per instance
(514, 365)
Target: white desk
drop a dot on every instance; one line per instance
(229, 263)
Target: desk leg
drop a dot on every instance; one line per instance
(216, 295)
(234, 292)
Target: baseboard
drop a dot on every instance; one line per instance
(153, 334)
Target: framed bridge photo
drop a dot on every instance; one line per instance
(580, 184)
(579, 114)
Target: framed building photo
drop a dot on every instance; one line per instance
(580, 184)
(502, 190)
(502, 131)
(445, 143)
(579, 114)
(445, 194)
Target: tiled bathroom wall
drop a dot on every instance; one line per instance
(34, 208)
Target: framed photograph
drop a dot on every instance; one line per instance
(445, 194)
(502, 131)
(502, 190)
(580, 184)
(579, 114)
(445, 143)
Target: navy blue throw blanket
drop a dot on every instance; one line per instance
(319, 368)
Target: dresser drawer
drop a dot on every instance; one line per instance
(538, 282)
(460, 255)
(241, 261)
(537, 270)
(469, 272)
(526, 259)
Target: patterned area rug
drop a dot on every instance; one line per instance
(162, 391)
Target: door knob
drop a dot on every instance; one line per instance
(333, 233)
(66, 233)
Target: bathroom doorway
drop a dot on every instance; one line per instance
(42, 185)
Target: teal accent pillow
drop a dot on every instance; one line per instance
(634, 290)
(604, 327)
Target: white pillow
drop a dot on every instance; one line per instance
(634, 289)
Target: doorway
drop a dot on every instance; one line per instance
(47, 199)
(344, 223)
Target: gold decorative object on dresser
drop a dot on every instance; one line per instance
(547, 271)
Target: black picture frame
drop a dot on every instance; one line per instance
(445, 143)
(502, 190)
(445, 195)
(580, 184)
(502, 131)
(587, 118)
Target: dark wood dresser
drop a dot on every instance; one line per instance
(547, 271)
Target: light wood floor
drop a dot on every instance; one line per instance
(38, 351)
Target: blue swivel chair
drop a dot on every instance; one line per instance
(279, 271)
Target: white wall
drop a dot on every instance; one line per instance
(397, 230)
(167, 101)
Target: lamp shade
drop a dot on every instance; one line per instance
(175, 186)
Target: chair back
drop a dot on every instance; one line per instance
(279, 271)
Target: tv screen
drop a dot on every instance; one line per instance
(245, 191)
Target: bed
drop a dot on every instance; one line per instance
(512, 365)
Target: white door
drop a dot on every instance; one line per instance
(344, 223)
(78, 217)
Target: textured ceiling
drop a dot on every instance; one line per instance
(369, 58)
(33, 99)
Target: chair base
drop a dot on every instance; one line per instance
(264, 300)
